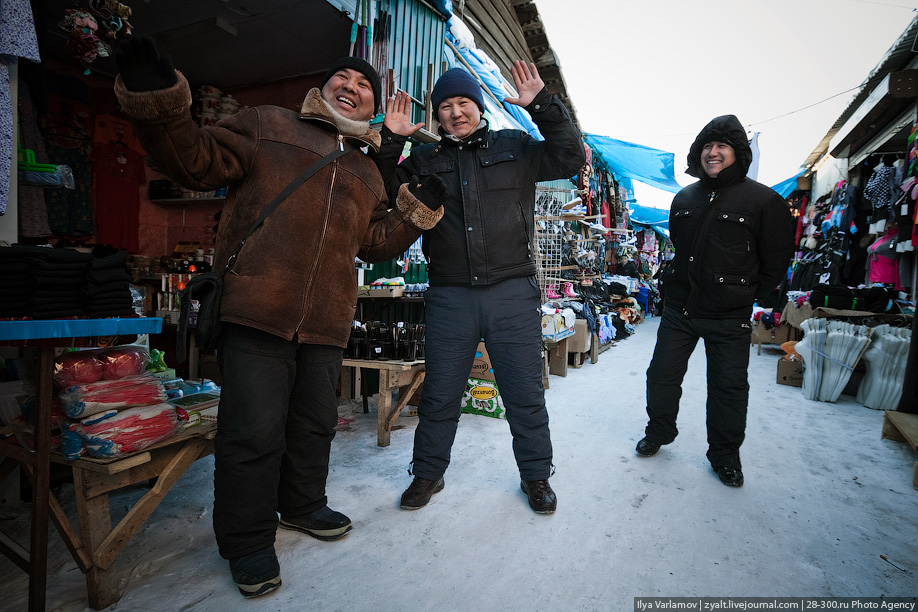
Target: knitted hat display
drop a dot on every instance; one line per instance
(456, 82)
(364, 68)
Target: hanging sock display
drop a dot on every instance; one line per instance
(830, 350)
(887, 356)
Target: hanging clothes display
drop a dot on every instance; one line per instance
(70, 211)
(883, 263)
(17, 39)
(881, 193)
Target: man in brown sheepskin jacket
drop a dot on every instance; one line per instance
(290, 298)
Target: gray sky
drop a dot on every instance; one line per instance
(654, 72)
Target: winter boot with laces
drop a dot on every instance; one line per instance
(542, 498)
(420, 491)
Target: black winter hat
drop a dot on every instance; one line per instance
(456, 82)
(728, 129)
(364, 68)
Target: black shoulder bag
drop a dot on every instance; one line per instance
(207, 288)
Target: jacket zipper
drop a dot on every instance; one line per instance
(519, 205)
(312, 276)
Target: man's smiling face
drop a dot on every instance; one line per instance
(351, 94)
(715, 157)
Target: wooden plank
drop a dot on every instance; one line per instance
(383, 409)
(95, 483)
(901, 427)
(65, 528)
(557, 358)
(102, 585)
(104, 556)
(403, 399)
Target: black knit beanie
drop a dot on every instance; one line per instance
(364, 68)
(456, 82)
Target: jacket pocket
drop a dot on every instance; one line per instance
(733, 289)
(734, 230)
(437, 168)
(499, 170)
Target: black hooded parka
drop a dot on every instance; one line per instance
(733, 236)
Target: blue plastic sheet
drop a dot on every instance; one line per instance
(788, 186)
(655, 218)
(629, 160)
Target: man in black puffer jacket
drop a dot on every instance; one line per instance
(482, 267)
(734, 240)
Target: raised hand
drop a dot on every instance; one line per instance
(528, 83)
(398, 115)
(141, 66)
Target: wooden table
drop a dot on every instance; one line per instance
(406, 376)
(46, 335)
(98, 544)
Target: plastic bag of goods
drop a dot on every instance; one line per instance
(89, 398)
(78, 367)
(112, 434)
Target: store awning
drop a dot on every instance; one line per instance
(787, 186)
(629, 160)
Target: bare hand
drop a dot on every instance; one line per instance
(528, 83)
(398, 115)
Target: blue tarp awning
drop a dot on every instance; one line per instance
(787, 187)
(655, 218)
(643, 164)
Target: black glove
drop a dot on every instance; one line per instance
(431, 190)
(141, 66)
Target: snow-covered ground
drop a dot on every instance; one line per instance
(824, 498)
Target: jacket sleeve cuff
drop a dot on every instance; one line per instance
(541, 102)
(156, 104)
(414, 211)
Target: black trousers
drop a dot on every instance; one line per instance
(726, 344)
(506, 315)
(275, 426)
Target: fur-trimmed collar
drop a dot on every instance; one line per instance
(315, 107)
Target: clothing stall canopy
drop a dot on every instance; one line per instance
(788, 186)
(629, 160)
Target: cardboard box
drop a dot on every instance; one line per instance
(581, 340)
(482, 397)
(554, 327)
(790, 372)
(481, 367)
(775, 335)
(365, 291)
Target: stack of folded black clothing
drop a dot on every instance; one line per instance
(41, 282)
(58, 275)
(107, 290)
(15, 284)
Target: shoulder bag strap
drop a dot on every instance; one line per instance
(305, 176)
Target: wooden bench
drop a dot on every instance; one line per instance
(406, 376)
(902, 427)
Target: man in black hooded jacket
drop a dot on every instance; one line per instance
(733, 239)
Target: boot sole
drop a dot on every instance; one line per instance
(257, 590)
(326, 535)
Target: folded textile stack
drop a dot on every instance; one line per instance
(15, 285)
(41, 282)
(107, 290)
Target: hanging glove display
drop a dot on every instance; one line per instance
(141, 66)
